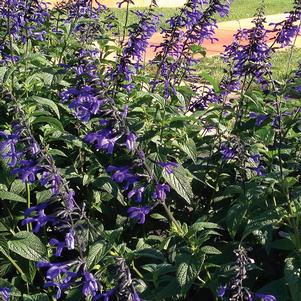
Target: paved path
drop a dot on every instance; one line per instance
(224, 34)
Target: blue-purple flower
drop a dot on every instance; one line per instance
(265, 297)
(137, 193)
(27, 171)
(5, 293)
(122, 174)
(59, 246)
(139, 213)
(131, 141)
(221, 291)
(70, 240)
(160, 192)
(259, 118)
(103, 140)
(168, 166)
(40, 219)
(59, 276)
(227, 152)
(90, 286)
(8, 148)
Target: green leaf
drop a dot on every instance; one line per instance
(180, 180)
(235, 217)
(277, 288)
(37, 297)
(47, 102)
(210, 250)
(212, 81)
(189, 148)
(3, 246)
(27, 245)
(51, 121)
(188, 268)
(10, 196)
(96, 252)
(150, 253)
(262, 221)
(292, 276)
(199, 226)
(108, 185)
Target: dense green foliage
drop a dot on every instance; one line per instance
(234, 185)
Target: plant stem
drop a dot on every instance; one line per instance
(28, 226)
(13, 262)
(172, 219)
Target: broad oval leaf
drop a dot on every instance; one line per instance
(180, 180)
(27, 245)
(10, 196)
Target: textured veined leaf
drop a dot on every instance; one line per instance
(188, 268)
(27, 245)
(262, 221)
(10, 196)
(292, 276)
(50, 120)
(96, 252)
(210, 250)
(189, 148)
(150, 253)
(180, 180)
(47, 102)
(37, 297)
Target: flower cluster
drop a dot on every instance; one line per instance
(21, 20)
(33, 164)
(76, 13)
(130, 61)
(195, 24)
(296, 79)
(204, 96)
(235, 290)
(94, 97)
(83, 98)
(286, 30)
(248, 56)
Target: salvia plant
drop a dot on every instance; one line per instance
(127, 179)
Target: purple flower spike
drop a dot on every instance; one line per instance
(160, 192)
(131, 141)
(288, 28)
(139, 213)
(5, 293)
(90, 286)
